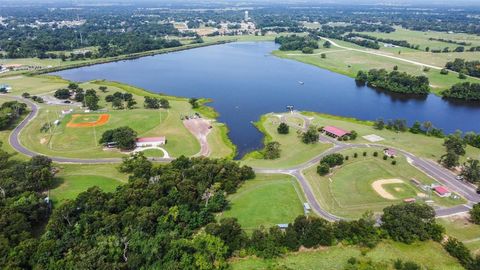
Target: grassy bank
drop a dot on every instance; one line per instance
(430, 255)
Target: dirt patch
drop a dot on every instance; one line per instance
(200, 128)
(378, 187)
(43, 140)
(102, 119)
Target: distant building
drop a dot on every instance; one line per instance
(442, 191)
(335, 132)
(150, 141)
(390, 152)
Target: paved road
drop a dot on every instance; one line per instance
(429, 167)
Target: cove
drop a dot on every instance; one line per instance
(245, 81)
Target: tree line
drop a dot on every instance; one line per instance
(401, 43)
(464, 91)
(395, 81)
(471, 68)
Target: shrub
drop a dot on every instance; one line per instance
(311, 136)
(346, 157)
(385, 157)
(283, 128)
(355, 155)
(394, 162)
(444, 71)
(323, 169)
(375, 154)
(365, 154)
(307, 50)
(272, 150)
(333, 160)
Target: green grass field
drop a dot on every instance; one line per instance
(73, 179)
(430, 255)
(348, 192)
(418, 144)
(462, 229)
(293, 150)
(266, 201)
(82, 142)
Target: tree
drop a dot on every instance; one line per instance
(455, 144)
(450, 159)
(151, 103)
(310, 136)
(353, 135)
(103, 88)
(333, 160)
(416, 128)
(379, 124)
(117, 103)
(210, 252)
(471, 170)
(327, 44)
(462, 76)
(323, 55)
(124, 137)
(427, 126)
(410, 222)
(91, 100)
(475, 214)
(230, 232)
(164, 103)
(283, 128)
(323, 169)
(194, 102)
(25, 95)
(131, 103)
(272, 150)
(307, 50)
(62, 93)
(444, 71)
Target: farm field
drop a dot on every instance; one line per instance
(74, 179)
(430, 255)
(266, 201)
(293, 151)
(369, 184)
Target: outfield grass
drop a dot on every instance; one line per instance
(348, 192)
(266, 201)
(430, 255)
(73, 179)
(293, 150)
(462, 229)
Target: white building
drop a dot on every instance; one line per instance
(150, 141)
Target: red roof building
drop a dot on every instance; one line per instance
(335, 131)
(442, 191)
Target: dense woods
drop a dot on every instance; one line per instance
(465, 91)
(471, 68)
(291, 43)
(395, 81)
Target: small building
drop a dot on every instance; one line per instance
(390, 152)
(150, 141)
(335, 132)
(442, 191)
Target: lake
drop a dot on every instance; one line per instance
(245, 81)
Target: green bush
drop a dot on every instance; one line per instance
(355, 155)
(394, 162)
(385, 157)
(375, 154)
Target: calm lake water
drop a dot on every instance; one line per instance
(245, 81)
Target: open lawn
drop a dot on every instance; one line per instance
(73, 179)
(462, 229)
(428, 254)
(35, 85)
(293, 150)
(349, 191)
(418, 144)
(266, 201)
(82, 142)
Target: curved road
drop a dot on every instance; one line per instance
(430, 168)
